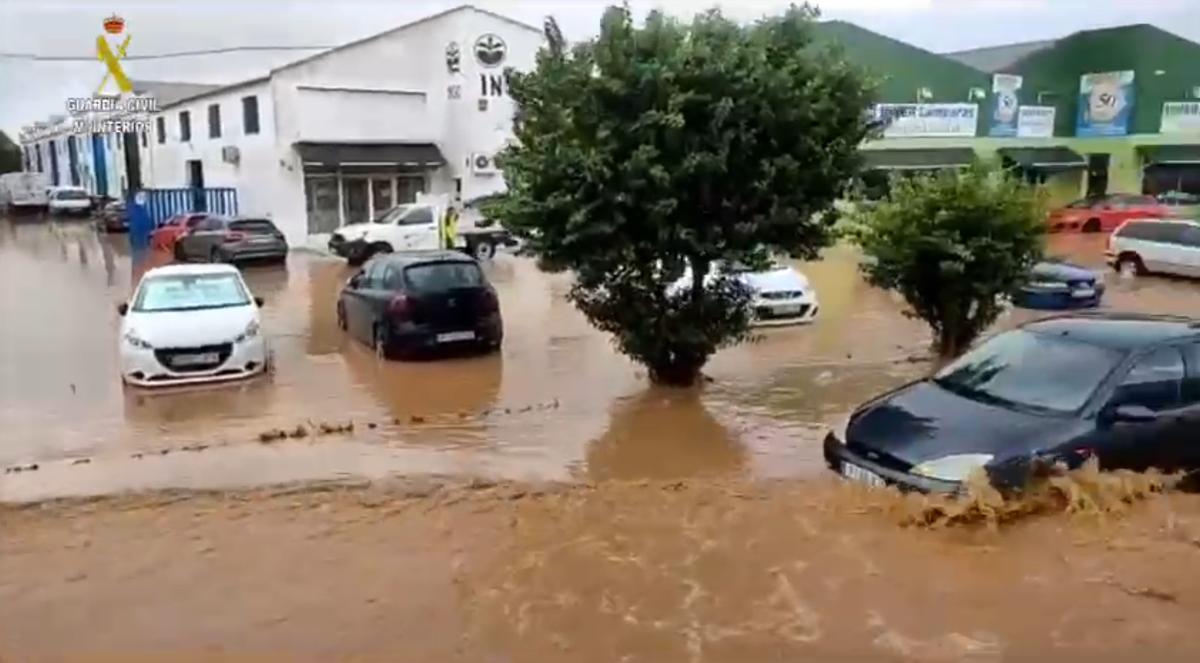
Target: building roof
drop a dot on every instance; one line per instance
(316, 56)
(1120, 331)
(997, 58)
(903, 68)
(170, 92)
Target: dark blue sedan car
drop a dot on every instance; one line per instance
(1122, 388)
(1058, 285)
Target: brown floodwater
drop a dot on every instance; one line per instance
(557, 403)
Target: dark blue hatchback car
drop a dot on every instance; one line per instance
(1122, 388)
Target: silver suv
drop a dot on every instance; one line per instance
(1143, 246)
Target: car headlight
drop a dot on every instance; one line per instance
(248, 333)
(956, 467)
(133, 339)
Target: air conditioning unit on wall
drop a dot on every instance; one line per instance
(483, 164)
(231, 154)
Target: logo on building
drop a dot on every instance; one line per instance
(111, 57)
(453, 58)
(490, 50)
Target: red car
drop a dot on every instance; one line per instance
(1105, 213)
(165, 235)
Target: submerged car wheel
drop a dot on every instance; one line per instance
(341, 317)
(1091, 226)
(484, 250)
(1130, 264)
(380, 341)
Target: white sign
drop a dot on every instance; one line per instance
(1180, 117)
(1035, 122)
(905, 120)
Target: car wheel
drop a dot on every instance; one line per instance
(1091, 226)
(216, 256)
(379, 247)
(177, 249)
(484, 250)
(1130, 264)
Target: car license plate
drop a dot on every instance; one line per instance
(861, 475)
(450, 337)
(1083, 292)
(786, 309)
(195, 360)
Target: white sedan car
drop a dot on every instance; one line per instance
(191, 324)
(782, 295)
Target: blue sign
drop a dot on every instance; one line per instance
(1105, 104)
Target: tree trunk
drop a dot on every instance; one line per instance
(680, 373)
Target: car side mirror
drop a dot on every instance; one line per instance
(259, 301)
(122, 308)
(1133, 414)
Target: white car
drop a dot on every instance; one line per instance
(1165, 246)
(69, 200)
(782, 295)
(191, 324)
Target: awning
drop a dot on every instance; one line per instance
(421, 155)
(933, 158)
(1166, 155)
(1048, 159)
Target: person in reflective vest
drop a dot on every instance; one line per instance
(449, 228)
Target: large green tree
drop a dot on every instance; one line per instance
(10, 155)
(652, 152)
(955, 246)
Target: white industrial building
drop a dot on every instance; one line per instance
(343, 135)
(340, 136)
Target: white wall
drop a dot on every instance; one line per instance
(355, 114)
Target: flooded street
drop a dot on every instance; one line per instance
(545, 503)
(557, 403)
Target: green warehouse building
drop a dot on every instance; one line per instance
(1114, 110)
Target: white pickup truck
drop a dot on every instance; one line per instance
(419, 226)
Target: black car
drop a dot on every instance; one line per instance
(402, 303)
(222, 239)
(1122, 388)
(113, 217)
(1057, 284)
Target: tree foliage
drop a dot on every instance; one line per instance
(653, 150)
(954, 245)
(10, 155)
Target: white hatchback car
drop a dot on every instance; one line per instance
(191, 324)
(69, 200)
(782, 295)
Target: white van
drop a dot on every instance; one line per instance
(23, 191)
(1143, 246)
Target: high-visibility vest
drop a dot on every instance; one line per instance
(449, 228)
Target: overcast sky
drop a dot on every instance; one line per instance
(32, 90)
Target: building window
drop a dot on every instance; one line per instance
(143, 135)
(214, 121)
(160, 123)
(250, 115)
(185, 127)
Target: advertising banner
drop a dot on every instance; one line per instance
(942, 120)
(1105, 104)
(1180, 117)
(1035, 122)
(1005, 103)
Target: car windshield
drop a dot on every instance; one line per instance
(1026, 369)
(439, 276)
(393, 215)
(179, 292)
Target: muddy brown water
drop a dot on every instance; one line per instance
(627, 523)
(558, 402)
